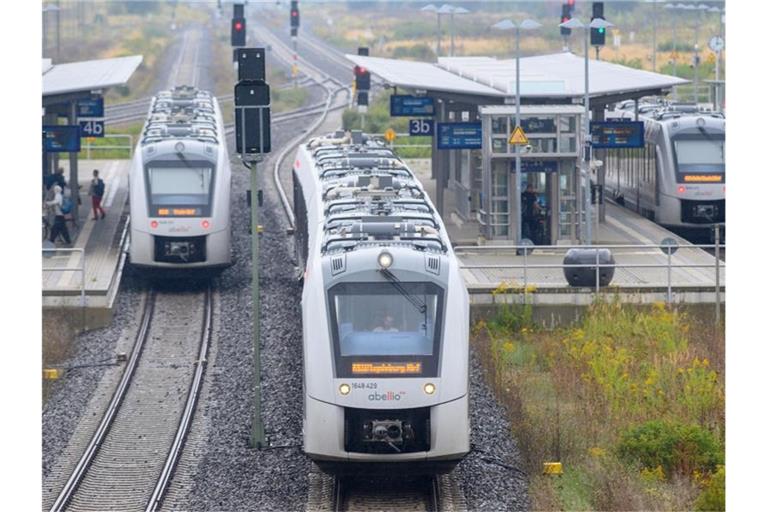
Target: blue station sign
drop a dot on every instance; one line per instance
(61, 138)
(617, 134)
(92, 128)
(459, 135)
(421, 127)
(406, 106)
(93, 107)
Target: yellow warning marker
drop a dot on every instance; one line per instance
(553, 468)
(518, 136)
(51, 373)
(390, 135)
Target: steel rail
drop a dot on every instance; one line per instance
(114, 405)
(189, 409)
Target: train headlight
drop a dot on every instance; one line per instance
(429, 388)
(385, 259)
(179, 147)
(205, 224)
(153, 224)
(344, 389)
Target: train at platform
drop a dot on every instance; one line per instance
(678, 178)
(180, 185)
(385, 314)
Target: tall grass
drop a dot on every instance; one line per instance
(602, 397)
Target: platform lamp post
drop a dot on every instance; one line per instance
(718, 62)
(453, 10)
(433, 8)
(524, 25)
(596, 23)
(702, 9)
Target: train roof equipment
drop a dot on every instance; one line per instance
(183, 112)
(370, 197)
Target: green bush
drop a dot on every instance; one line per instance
(713, 495)
(678, 449)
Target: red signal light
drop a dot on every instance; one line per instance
(238, 26)
(294, 13)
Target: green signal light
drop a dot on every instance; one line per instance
(601, 30)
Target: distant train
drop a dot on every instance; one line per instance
(385, 314)
(180, 186)
(678, 178)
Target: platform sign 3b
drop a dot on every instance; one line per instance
(92, 128)
(421, 127)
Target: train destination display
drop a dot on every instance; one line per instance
(459, 135)
(617, 134)
(401, 105)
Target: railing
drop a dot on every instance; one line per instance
(526, 265)
(88, 147)
(80, 269)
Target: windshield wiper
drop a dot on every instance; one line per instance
(420, 305)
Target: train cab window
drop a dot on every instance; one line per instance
(700, 154)
(179, 189)
(386, 330)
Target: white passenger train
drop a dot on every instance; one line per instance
(180, 185)
(385, 314)
(678, 178)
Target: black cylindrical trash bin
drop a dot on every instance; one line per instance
(585, 276)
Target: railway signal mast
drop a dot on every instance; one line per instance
(362, 86)
(237, 34)
(252, 141)
(294, 39)
(597, 35)
(566, 14)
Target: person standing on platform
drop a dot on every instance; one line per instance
(531, 209)
(56, 178)
(96, 191)
(59, 222)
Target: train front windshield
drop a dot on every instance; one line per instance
(180, 189)
(386, 330)
(700, 156)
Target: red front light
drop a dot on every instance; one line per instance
(680, 189)
(153, 224)
(206, 224)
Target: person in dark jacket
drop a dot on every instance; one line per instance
(96, 191)
(531, 209)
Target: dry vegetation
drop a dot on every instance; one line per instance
(59, 331)
(630, 400)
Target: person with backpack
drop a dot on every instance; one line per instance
(59, 222)
(96, 191)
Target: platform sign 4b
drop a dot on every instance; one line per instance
(92, 128)
(421, 127)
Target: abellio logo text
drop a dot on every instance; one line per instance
(389, 395)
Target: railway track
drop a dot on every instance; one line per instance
(129, 461)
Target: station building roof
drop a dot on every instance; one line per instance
(559, 76)
(86, 76)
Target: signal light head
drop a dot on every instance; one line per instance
(238, 26)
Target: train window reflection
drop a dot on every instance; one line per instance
(701, 152)
(376, 319)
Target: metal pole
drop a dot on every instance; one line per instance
(587, 201)
(654, 36)
(597, 272)
(73, 178)
(518, 166)
(696, 60)
(438, 34)
(257, 432)
(674, 51)
(669, 275)
(451, 34)
(717, 274)
(58, 31)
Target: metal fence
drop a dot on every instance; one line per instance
(523, 253)
(80, 268)
(88, 148)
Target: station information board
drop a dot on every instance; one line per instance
(61, 138)
(459, 135)
(537, 165)
(408, 106)
(93, 107)
(617, 134)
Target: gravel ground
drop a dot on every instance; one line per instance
(70, 395)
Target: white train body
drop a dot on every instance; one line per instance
(678, 178)
(180, 185)
(385, 348)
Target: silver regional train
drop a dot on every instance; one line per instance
(678, 178)
(385, 314)
(180, 185)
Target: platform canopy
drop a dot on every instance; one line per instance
(86, 76)
(558, 77)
